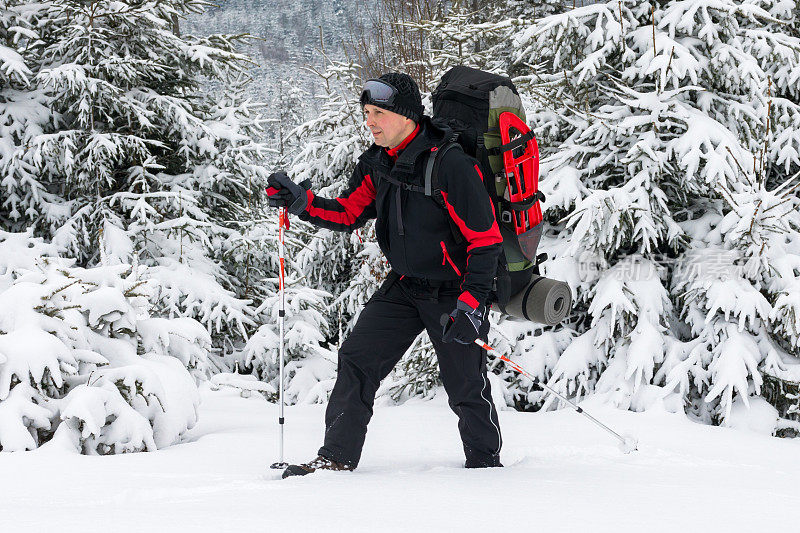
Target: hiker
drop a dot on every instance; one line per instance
(443, 262)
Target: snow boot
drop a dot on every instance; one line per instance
(485, 462)
(320, 463)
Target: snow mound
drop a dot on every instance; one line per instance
(753, 414)
(83, 364)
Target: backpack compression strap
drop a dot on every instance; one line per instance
(516, 143)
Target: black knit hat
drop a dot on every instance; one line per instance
(407, 102)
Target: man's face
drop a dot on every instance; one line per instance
(388, 128)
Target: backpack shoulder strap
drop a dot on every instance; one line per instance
(432, 188)
(435, 157)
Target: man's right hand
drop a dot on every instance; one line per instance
(463, 325)
(283, 192)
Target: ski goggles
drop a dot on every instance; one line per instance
(378, 91)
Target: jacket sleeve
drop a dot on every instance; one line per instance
(348, 212)
(472, 210)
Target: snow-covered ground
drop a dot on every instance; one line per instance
(562, 474)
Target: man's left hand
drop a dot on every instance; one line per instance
(463, 324)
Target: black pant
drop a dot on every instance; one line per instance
(387, 326)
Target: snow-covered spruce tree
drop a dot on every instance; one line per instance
(462, 36)
(478, 33)
(320, 263)
(665, 123)
(310, 367)
(530, 10)
(81, 362)
(134, 157)
(24, 111)
(290, 110)
(242, 244)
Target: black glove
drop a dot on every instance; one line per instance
(283, 192)
(463, 324)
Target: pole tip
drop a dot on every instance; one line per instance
(630, 444)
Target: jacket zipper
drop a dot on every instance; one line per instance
(446, 258)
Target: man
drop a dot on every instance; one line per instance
(443, 262)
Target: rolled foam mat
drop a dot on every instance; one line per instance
(545, 301)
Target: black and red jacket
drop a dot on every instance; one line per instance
(414, 232)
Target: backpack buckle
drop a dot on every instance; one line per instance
(506, 217)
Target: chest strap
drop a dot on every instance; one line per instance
(431, 188)
(401, 184)
(398, 197)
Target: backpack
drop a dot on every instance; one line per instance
(485, 112)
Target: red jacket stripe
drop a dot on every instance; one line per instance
(468, 299)
(475, 238)
(353, 205)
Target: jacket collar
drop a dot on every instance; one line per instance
(430, 134)
(400, 147)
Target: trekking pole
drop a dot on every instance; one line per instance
(627, 443)
(283, 222)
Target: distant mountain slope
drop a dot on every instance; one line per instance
(287, 36)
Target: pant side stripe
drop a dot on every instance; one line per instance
(499, 438)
